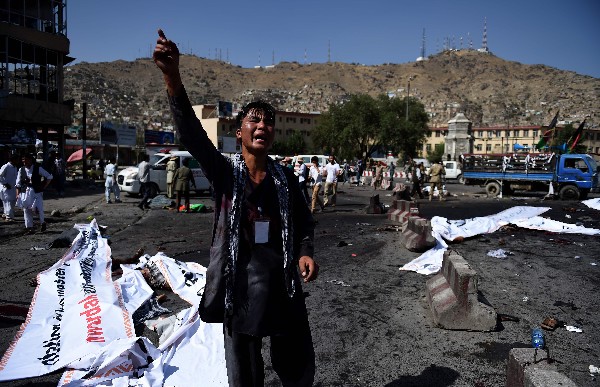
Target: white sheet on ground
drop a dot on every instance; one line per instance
(592, 203)
(543, 224)
(430, 262)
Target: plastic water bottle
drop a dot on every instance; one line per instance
(537, 339)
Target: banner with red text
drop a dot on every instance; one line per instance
(76, 310)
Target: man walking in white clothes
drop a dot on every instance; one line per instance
(110, 185)
(8, 192)
(144, 176)
(32, 180)
(317, 178)
(333, 170)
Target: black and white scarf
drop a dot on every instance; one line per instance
(240, 173)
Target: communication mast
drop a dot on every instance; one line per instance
(484, 46)
(422, 57)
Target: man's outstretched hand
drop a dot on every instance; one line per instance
(166, 57)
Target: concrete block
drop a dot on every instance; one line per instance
(417, 234)
(375, 206)
(401, 212)
(452, 297)
(525, 369)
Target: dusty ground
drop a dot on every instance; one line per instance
(371, 324)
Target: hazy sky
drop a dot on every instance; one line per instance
(562, 34)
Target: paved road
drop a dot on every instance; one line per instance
(370, 321)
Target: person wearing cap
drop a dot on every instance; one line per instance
(171, 168)
(32, 180)
(8, 192)
(262, 245)
(110, 185)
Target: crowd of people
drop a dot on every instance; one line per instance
(23, 181)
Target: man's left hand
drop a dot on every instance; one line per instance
(308, 268)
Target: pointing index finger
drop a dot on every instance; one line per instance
(161, 34)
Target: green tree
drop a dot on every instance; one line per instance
(438, 153)
(398, 133)
(349, 129)
(357, 127)
(295, 144)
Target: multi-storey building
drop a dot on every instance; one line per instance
(502, 139)
(33, 50)
(221, 129)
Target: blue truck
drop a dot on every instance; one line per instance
(572, 176)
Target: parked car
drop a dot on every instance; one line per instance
(128, 178)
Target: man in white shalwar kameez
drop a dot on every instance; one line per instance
(110, 171)
(32, 180)
(8, 192)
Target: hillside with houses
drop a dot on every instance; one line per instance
(489, 90)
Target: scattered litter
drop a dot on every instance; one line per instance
(342, 244)
(500, 253)
(561, 241)
(568, 216)
(593, 264)
(338, 282)
(363, 224)
(90, 218)
(594, 370)
(525, 299)
(390, 228)
(577, 257)
(572, 328)
(507, 317)
(37, 248)
(354, 255)
(549, 323)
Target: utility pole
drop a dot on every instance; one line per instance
(408, 97)
(84, 139)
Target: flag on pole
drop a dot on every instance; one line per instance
(548, 133)
(576, 136)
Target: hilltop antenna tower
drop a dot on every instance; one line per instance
(305, 56)
(273, 58)
(329, 51)
(422, 57)
(484, 46)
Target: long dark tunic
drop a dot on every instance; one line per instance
(261, 305)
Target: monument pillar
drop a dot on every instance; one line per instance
(459, 139)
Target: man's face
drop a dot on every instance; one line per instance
(27, 162)
(256, 133)
(331, 159)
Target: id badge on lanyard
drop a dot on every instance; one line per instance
(261, 228)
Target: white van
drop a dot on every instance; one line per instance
(128, 178)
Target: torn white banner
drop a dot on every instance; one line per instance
(76, 310)
(430, 262)
(194, 351)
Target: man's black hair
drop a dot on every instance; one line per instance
(260, 106)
